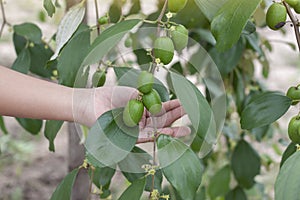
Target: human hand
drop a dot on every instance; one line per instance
(89, 104)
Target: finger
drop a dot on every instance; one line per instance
(173, 115)
(168, 118)
(169, 105)
(171, 131)
(176, 131)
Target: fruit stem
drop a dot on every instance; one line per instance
(294, 21)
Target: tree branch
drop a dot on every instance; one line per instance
(294, 21)
(97, 16)
(4, 18)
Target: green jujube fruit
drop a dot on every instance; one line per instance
(152, 102)
(176, 5)
(180, 37)
(133, 113)
(292, 3)
(145, 82)
(297, 8)
(103, 20)
(99, 78)
(164, 49)
(294, 129)
(276, 16)
(294, 94)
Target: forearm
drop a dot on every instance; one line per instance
(28, 97)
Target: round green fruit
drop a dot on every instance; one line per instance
(152, 102)
(128, 42)
(103, 20)
(180, 37)
(163, 49)
(276, 16)
(133, 113)
(292, 3)
(297, 7)
(145, 82)
(294, 129)
(176, 5)
(293, 93)
(99, 78)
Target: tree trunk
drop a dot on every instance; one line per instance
(76, 156)
(76, 150)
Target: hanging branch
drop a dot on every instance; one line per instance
(294, 21)
(97, 16)
(3, 17)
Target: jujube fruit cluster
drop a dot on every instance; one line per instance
(149, 98)
(164, 47)
(276, 16)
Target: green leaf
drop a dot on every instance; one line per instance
(109, 140)
(260, 132)
(135, 190)
(72, 55)
(115, 11)
(29, 31)
(107, 40)
(102, 179)
(230, 21)
(226, 61)
(219, 183)
(33, 126)
(40, 55)
(254, 42)
(51, 129)
(142, 57)
(239, 89)
(201, 193)
(19, 42)
(245, 163)
(194, 103)
(2, 126)
(136, 7)
(287, 183)
(249, 28)
(290, 150)
(180, 165)
(210, 8)
(22, 63)
(49, 7)
(68, 25)
(128, 77)
(264, 109)
(64, 189)
(236, 194)
(132, 169)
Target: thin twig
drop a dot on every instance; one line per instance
(294, 21)
(97, 16)
(163, 10)
(4, 18)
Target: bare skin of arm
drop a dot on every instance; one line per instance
(29, 97)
